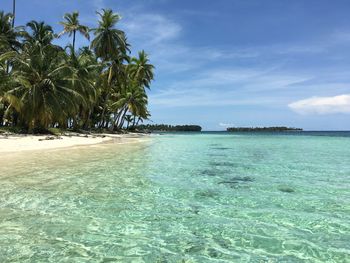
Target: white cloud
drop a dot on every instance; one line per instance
(322, 105)
(204, 97)
(151, 28)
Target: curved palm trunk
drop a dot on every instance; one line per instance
(122, 119)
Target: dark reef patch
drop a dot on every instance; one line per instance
(221, 148)
(209, 172)
(286, 189)
(229, 164)
(216, 154)
(236, 180)
(206, 193)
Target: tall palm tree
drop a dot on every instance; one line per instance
(8, 36)
(141, 70)
(109, 44)
(84, 72)
(109, 41)
(72, 25)
(44, 85)
(40, 33)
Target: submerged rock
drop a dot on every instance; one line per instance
(286, 189)
(222, 164)
(216, 154)
(236, 180)
(221, 148)
(206, 193)
(209, 172)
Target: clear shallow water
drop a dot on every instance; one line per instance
(180, 198)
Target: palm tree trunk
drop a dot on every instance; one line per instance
(107, 96)
(13, 12)
(122, 119)
(117, 119)
(74, 41)
(13, 25)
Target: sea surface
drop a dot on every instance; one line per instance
(197, 197)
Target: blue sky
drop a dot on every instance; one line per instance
(232, 63)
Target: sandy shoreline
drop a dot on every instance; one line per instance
(20, 143)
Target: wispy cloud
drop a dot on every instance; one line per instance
(197, 97)
(322, 105)
(151, 28)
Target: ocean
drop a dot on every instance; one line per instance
(181, 197)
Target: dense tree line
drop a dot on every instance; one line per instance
(43, 85)
(169, 128)
(262, 129)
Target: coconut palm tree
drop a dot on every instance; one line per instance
(109, 41)
(72, 25)
(42, 84)
(8, 34)
(84, 71)
(132, 99)
(110, 45)
(141, 70)
(39, 33)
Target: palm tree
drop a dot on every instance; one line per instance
(8, 36)
(72, 25)
(43, 85)
(132, 99)
(84, 72)
(42, 82)
(141, 70)
(39, 33)
(110, 45)
(109, 41)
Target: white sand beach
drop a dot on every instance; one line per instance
(20, 143)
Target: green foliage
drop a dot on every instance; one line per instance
(71, 25)
(262, 129)
(169, 128)
(44, 86)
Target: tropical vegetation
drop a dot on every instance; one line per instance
(262, 129)
(168, 128)
(44, 85)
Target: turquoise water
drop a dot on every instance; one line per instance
(180, 198)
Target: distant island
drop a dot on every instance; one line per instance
(168, 128)
(262, 129)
